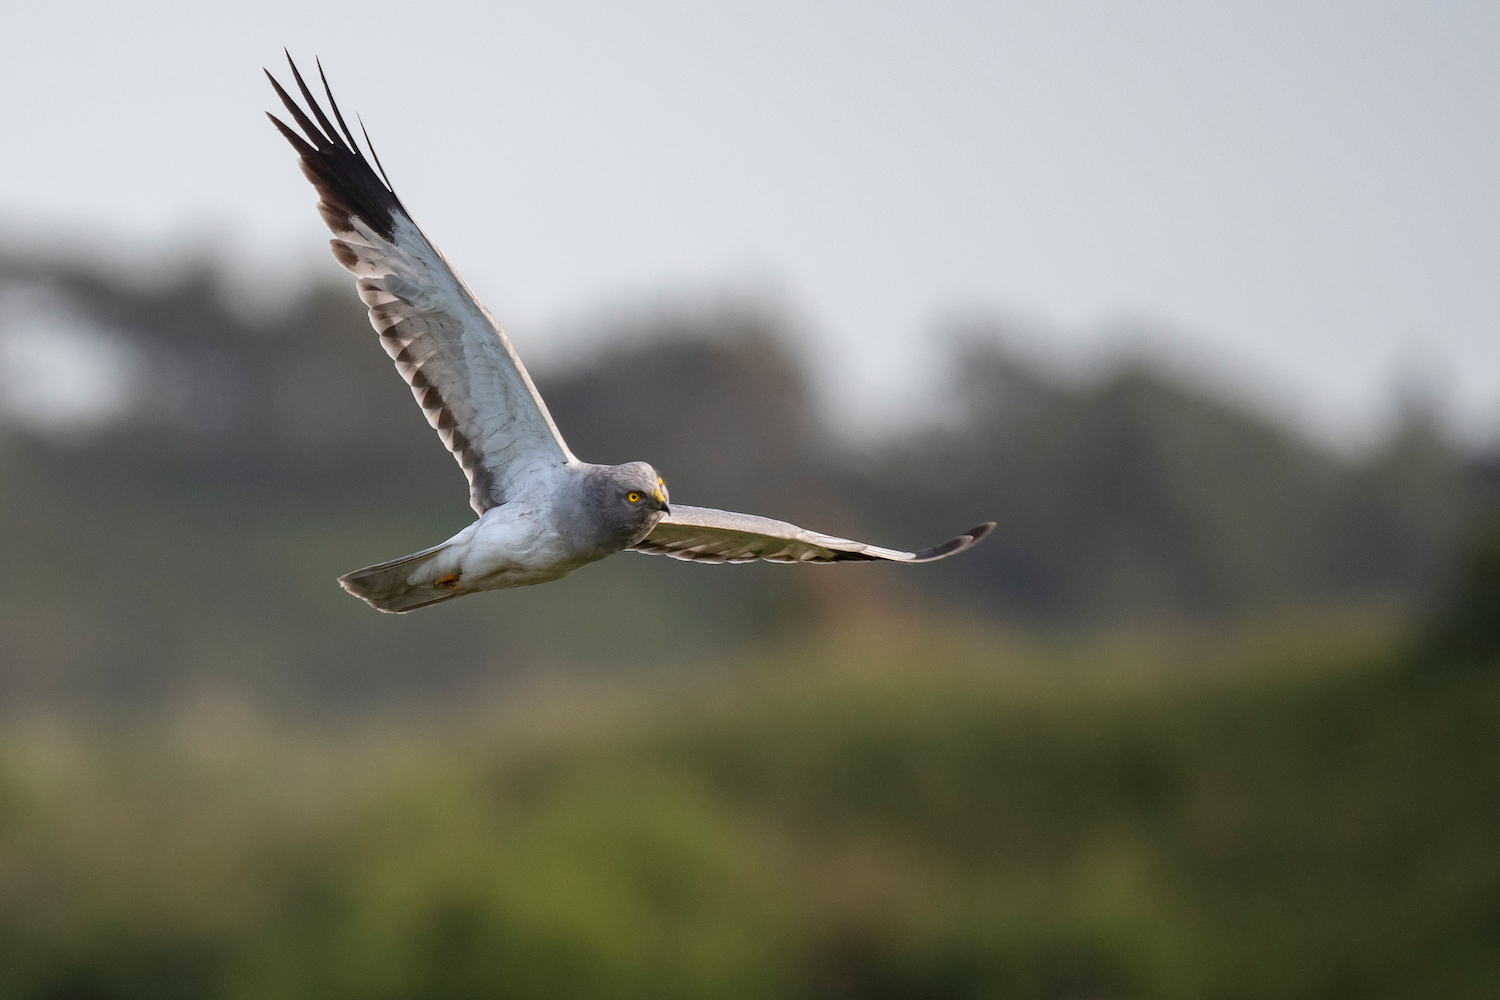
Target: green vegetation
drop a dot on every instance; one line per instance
(905, 811)
(1466, 630)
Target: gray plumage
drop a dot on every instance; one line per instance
(702, 534)
(579, 514)
(543, 513)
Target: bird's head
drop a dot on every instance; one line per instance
(632, 498)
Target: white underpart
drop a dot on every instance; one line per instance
(513, 545)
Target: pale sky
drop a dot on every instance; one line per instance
(1301, 199)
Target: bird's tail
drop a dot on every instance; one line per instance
(404, 584)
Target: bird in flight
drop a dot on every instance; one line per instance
(542, 512)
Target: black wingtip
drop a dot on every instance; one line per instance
(953, 546)
(378, 164)
(347, 185)
(339, 117)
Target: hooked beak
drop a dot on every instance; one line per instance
(661, 500)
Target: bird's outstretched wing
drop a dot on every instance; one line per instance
(702, 534)
(465, 375)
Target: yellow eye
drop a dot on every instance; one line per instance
(634, 498)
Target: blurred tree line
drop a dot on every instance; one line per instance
(198, 536)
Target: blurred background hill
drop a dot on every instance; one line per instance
(1210, 715)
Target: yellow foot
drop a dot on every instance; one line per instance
(449, 582)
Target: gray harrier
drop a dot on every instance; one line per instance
(542, 512)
